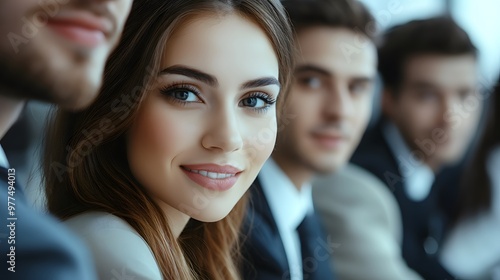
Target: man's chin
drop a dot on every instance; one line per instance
(449, 158)
(75, 93)
(80, 101)
(327, 166)
(54, 75)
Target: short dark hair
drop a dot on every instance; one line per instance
(439, 35)
(350, 14)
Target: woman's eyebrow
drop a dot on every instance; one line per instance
(192, 73)
(212, 81)
(261, 82)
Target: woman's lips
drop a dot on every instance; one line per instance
(212, 176)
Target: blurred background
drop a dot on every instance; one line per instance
(479, 18)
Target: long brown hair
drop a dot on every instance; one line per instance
(85, 161)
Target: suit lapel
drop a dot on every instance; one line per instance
(263, 246)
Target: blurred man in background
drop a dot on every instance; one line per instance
(358, 211)
(326, 113)
(51, 51)
(429, 71)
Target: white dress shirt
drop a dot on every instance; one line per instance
(289, 207)
(417, 177)
(3, 159)
(472, 248)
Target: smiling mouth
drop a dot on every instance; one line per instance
(211, 175)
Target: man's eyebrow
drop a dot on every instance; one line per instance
(192, 73)
(422, 84)
(363, 79)
(261, 82)
(312, 68)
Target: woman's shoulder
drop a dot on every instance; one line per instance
(119, 251)
(96, 221)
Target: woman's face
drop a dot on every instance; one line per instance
(208, 124)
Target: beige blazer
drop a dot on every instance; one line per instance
(119, 252)
(360, 214)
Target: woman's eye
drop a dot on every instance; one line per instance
(185, 95)
(182, 94)
(258, 101)
(254, 102)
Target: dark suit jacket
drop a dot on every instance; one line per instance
(262, 247)
(44, 249)
(424, 222)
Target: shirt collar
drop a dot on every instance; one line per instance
(3, 159)
(289, 206)
(416, 176)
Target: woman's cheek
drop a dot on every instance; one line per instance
(261, 139)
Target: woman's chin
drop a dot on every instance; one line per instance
(211, 215)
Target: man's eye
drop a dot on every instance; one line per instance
(358, 88)
(310, 82)
(427, 95)
(463, 94)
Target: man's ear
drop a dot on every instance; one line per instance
(388, 102)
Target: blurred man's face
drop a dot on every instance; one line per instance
(436, 108)
(55, 50)
(330, 98)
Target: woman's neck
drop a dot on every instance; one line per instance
(177, 220)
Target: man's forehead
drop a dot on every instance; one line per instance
(445, 70)
(333, 36)
(435, 63)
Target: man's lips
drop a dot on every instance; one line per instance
(329, 140)
(212, 176)
(81, 27)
